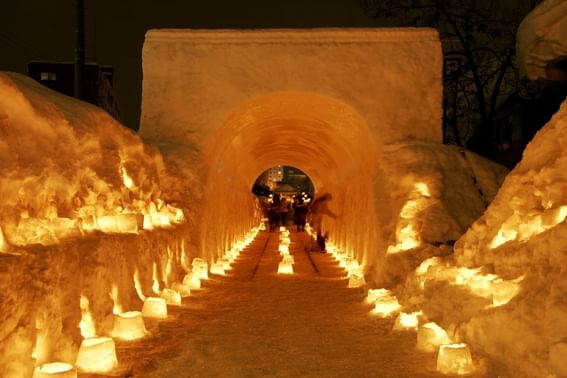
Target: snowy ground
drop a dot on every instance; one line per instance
(254, 322)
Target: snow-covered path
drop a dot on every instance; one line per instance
(255, 323)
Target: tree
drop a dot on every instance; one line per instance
(480, 36)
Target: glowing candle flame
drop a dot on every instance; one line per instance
(117, 308)
(406, 321)
(138, 285)
(126, 179)
(155, 285)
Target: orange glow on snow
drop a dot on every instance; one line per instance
(86, 325)
(455, 359)
(138, 286)
(155, 284)
(171, 297)
(430, 336)
(285, 268)
(116, 308)
(523, 228)
(406, 235)
(385, 302)
(407, 321)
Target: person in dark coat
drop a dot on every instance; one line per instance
(300, 211)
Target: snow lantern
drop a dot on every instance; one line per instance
(171, 296)
(107, 224)
(430, 337)
(386, 305)
(183, 290)
(374, 294)
(353, 266)
(285, 268)
(192, 281)
(283, 248)
(217, 268)
(129, 223)
(406, 322)
(356, 280)
(200, 268)
(55, 370)
(225, 264)
(148, 224)
(129, 326)
(454, 359)
(97, 355)
(288, 259)
(154, 308)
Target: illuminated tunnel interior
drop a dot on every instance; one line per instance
(326, 139)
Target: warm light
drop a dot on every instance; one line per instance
(374, 294)
(155, 284)
(454, 359)
(288, 259)
(225, 264)
(116, 308)
(97, 355)
(217, 268)
(356, 280)
(126, 179)
(386, 305)
(200, 268)
(3, 242)
(55, 370)
(422, 189)
(430, 337)
(154, 308)
(283, 248)
(171, 297)
(129, 326)
(285, 268)
(504, 291)
(183, 290)
(86, 325)
(192, 281)
(406, 321)
(138, 285)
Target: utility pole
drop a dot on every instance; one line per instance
(79, 48)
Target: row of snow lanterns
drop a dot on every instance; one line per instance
(286, 265)
(452, 358)
(98, 354)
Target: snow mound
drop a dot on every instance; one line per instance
(69, 168)
(504, 289)
(541, 38)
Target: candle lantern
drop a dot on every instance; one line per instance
(356, 280)
(55, 370)
(97, 355)
(171, 297)
(285, 268)
(192, 281)
(455, 359)
(129, 326)
(154, 308)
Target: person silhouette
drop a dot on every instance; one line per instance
(319, 209)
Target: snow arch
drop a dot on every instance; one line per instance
(230, 103)
(325, 138)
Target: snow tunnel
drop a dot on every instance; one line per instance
(228, 104)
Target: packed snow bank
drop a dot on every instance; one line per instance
(68, 168)
(542, 40)
(504, 289)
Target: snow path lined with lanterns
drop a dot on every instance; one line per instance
(254, 322)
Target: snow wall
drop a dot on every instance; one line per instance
(358, 110)
(82, 213)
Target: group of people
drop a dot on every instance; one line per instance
(279, 208)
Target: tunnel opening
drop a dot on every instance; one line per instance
(283, 196)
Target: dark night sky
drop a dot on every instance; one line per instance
(44, 30)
